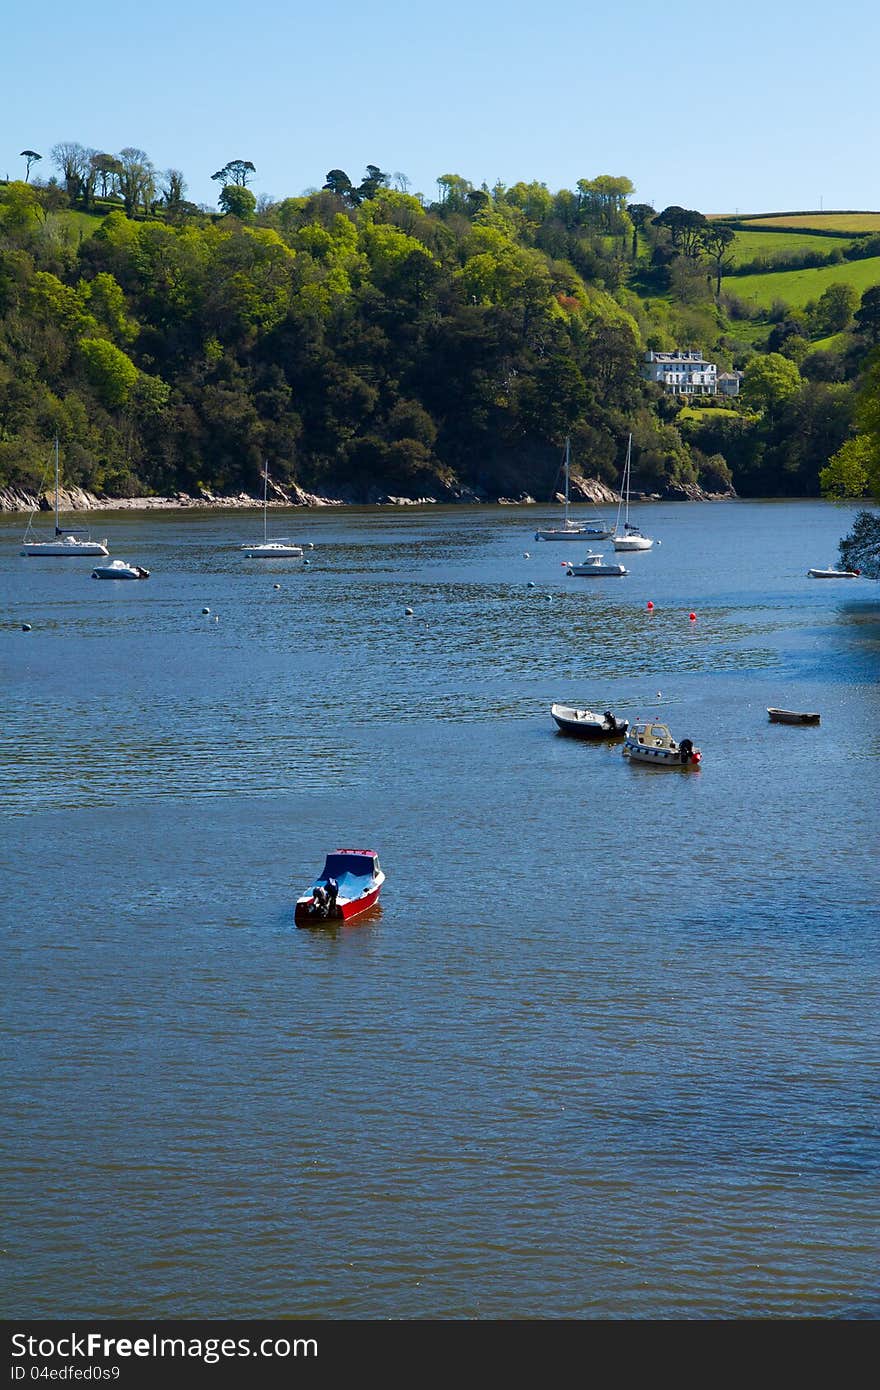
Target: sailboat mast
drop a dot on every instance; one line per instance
(265, 500)
(57, 527)
(622, 492)
(567, 447)
(627, 470)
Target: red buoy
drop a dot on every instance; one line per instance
(650, 606)
(693, 617)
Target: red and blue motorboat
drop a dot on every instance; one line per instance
(349, 884)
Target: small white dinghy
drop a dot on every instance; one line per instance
(120, 569)
(834, 574)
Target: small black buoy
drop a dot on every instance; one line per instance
(26, 627)
(206, 610)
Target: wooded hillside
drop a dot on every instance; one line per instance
(366, 342)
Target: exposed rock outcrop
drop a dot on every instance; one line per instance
(589, 490)
(689, 492)
(76, 499)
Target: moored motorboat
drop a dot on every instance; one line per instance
(584, 723)
(832, 573)
(791, 716)
(120, 569)
(651, 742)
(348, 885)
(596, 566)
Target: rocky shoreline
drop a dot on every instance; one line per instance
(78, 500)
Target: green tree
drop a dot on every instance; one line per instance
(237, 201)
(107, 168)
(237, 171)
(454, 192)
(769, 381)
(860, 550)
(110, 371)
(32, 157)
(834, 309)
(848, 470)
(867, 316)
(640, 214)
(72, 161)
(686, 228)
(373, 180)
(19, 207)
(602, 202)
(339, 183)
(136, 179)
(104, 300)
(717, 240)
(173, 188)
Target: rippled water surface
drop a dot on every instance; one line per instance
(608, 1049)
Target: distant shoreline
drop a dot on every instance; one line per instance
(77, 500)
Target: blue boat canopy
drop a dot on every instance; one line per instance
(358, 863)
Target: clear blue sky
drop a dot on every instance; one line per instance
(750, 106)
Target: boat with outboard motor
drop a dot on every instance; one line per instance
(651, 742)
(120, 569)
(832, 573)
(596, 566)
(584, 723)
(348, 885)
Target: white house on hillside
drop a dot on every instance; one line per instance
(682, 373)
(728, 383)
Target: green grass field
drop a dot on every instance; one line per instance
(77, 225)
(798, 287)
(822, 221)
(748, 245)
(836, 343)
(688, 412)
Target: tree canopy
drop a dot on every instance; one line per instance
(373, 340)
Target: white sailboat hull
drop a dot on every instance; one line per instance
(562, 533)
(628, 537)
(279, 549)
(273, 550)
(66, 545)
(591, 528)
(69, 547)
(631, 542)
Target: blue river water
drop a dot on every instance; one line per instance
(608, 1047)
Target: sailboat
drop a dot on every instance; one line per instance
(75, 543)
(594, 529)
(279, 549)
(630, 538)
